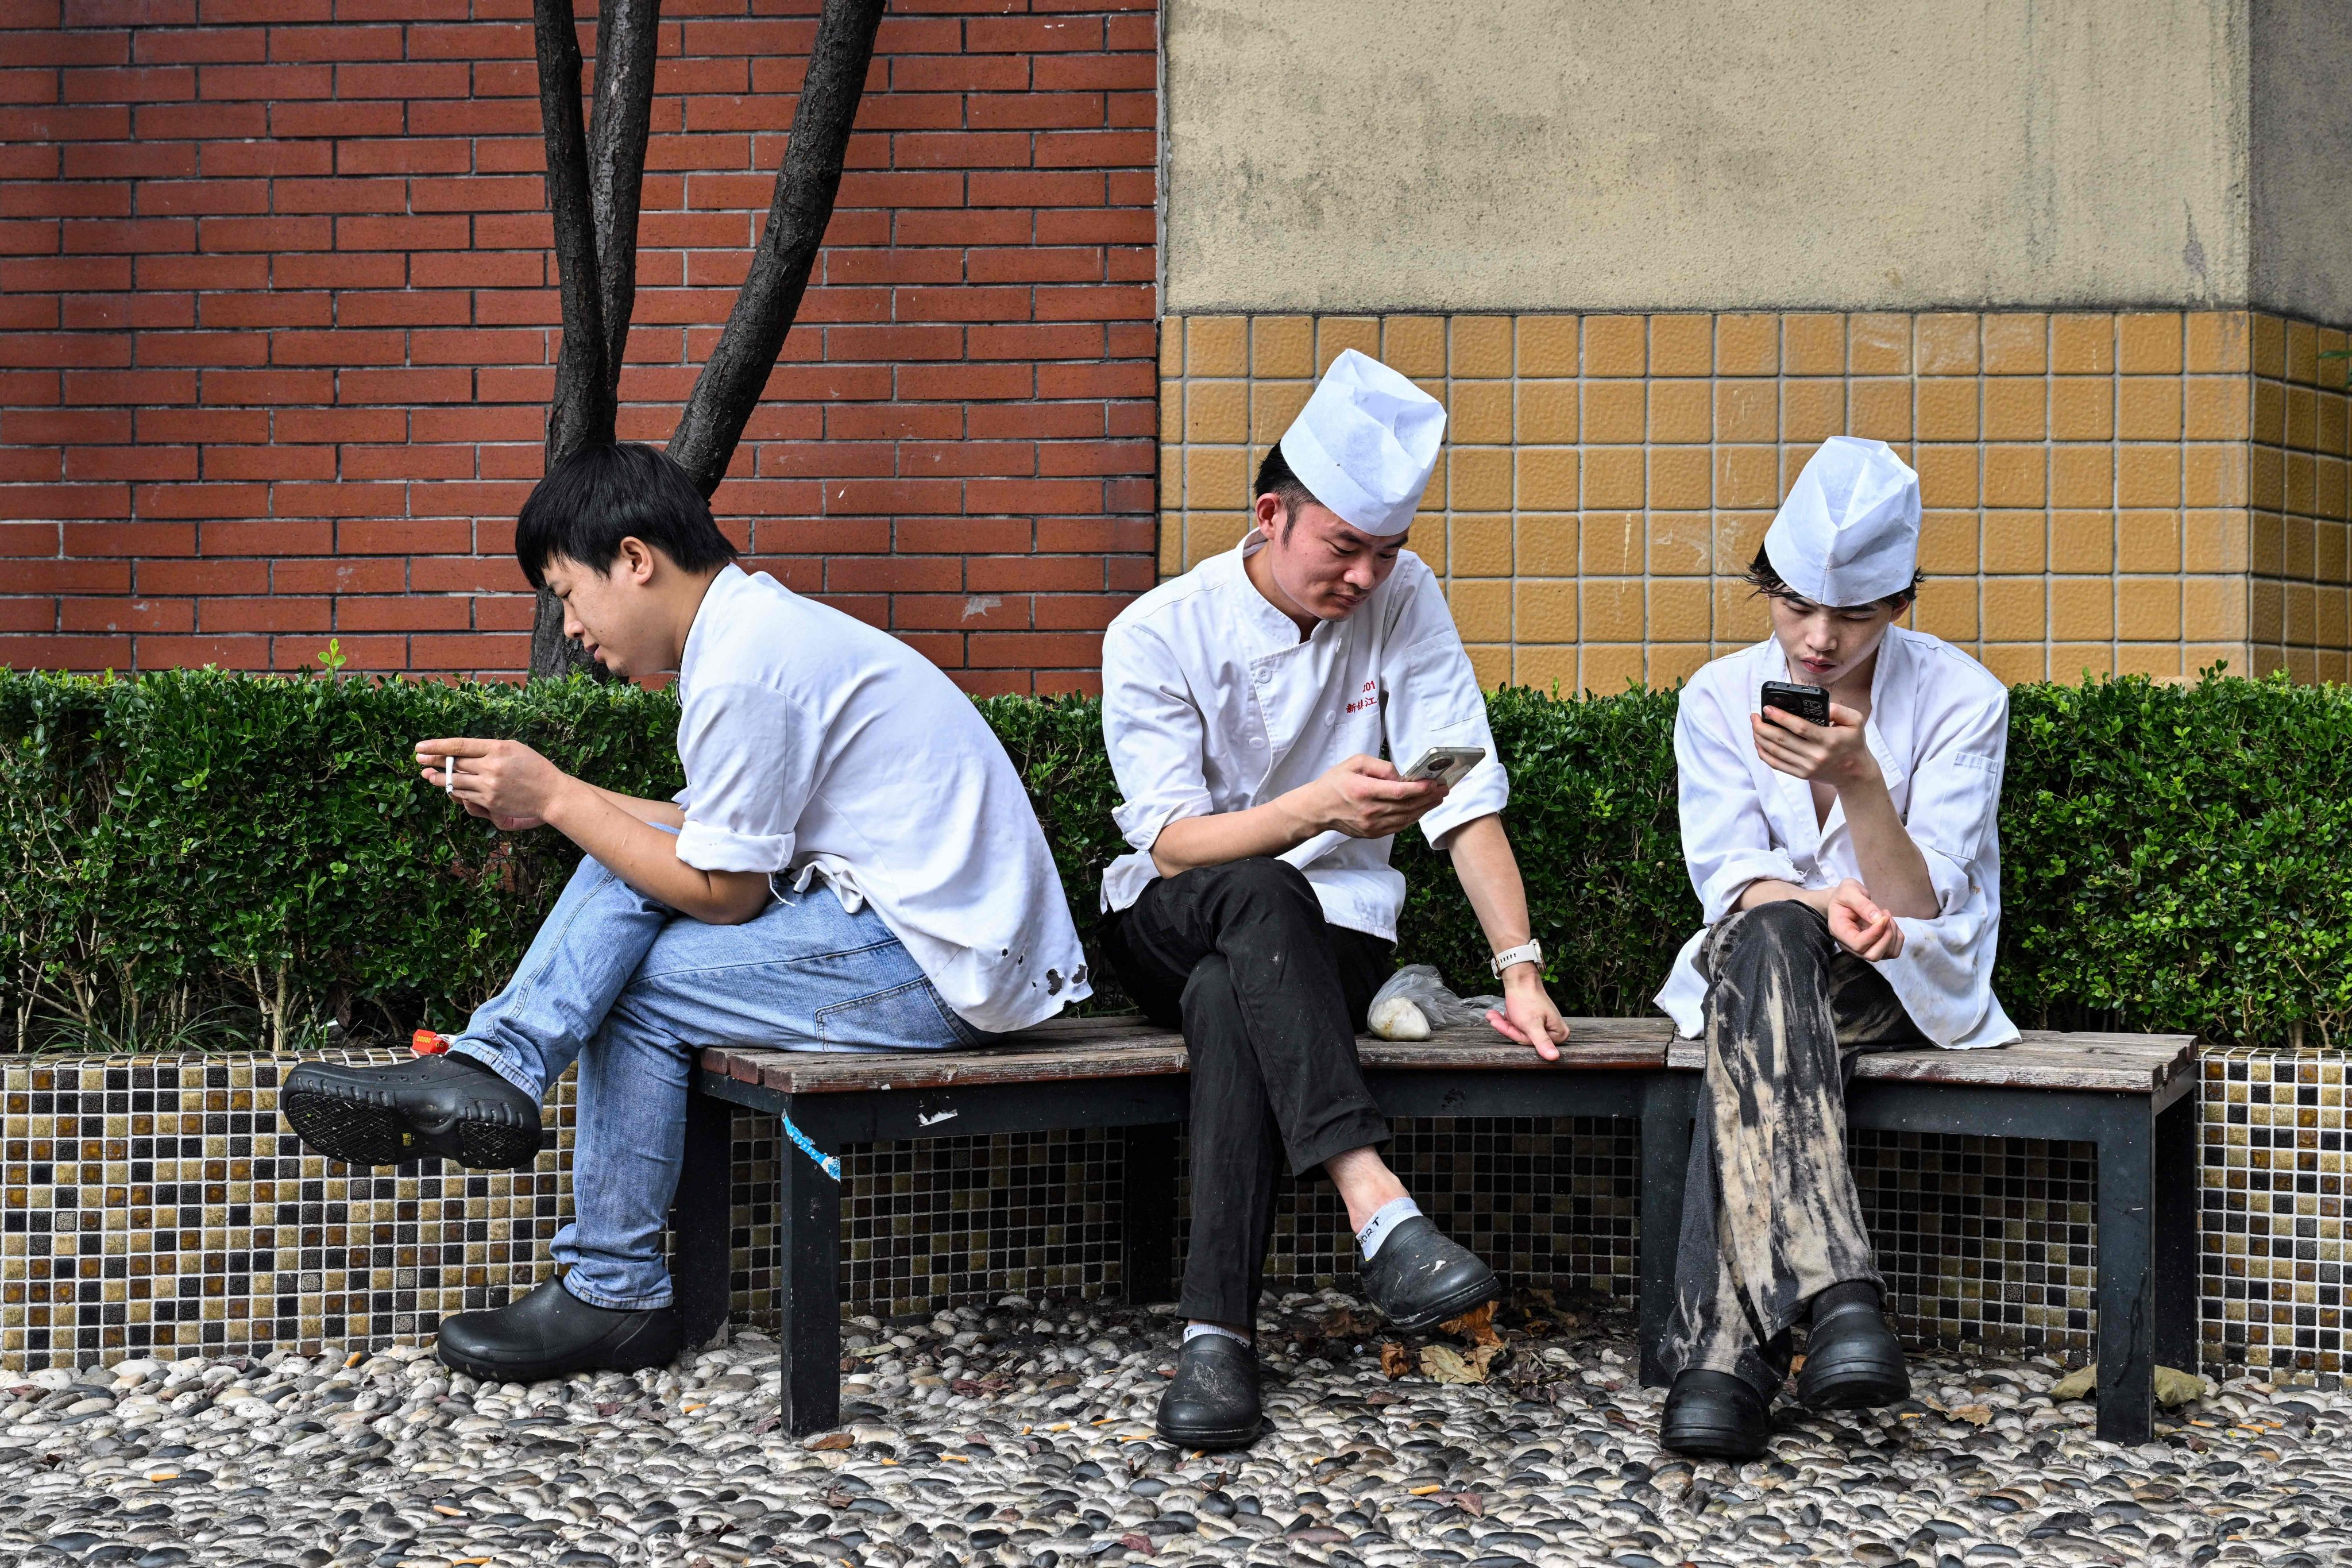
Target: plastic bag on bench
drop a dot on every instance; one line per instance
(1415, 1004)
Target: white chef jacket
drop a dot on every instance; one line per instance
(816, 744)
(1212, 703)
(1938, 726)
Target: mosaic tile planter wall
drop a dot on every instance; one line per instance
(159, 1204)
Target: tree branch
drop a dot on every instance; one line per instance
(582, 412)
(737, 370)
(626, 46)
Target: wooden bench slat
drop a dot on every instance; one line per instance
(1108, 1048)
(1067, 1049)
(2124, 1064)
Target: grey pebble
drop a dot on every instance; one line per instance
(1021, 1434)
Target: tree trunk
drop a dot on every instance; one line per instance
(626, 48)
(582, 413)
(595, 181)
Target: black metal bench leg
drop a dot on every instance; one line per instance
(809, 1206)
(1147, 1254)
(2128, 1255)
(1668, 1099)
(702, 1220)
(2178, 1174)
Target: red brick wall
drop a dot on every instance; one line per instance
(277, 325)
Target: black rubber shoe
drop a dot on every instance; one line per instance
(446, 1105)
(1852, 1361)
(1419, 1279)
(1715, 1415)
(553, 1333)
(1212, 1404)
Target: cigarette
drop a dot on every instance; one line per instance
(449, 775)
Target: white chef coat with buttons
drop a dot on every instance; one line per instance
(815, 745)
(1213, 704)
(1938, 726)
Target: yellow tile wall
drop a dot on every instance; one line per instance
(2144, 491)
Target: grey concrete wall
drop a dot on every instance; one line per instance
(1714, 155)
(2302, 145)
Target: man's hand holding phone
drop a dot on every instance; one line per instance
(1836, 754)
(1860, 926)
(1365, 797)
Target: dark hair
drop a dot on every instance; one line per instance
(601, 494)
(1275, 479)
(1765, 579)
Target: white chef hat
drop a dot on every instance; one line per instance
(1849, 533)
(1365, 443)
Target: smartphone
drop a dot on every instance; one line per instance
(1447, 764)
(1811, 703)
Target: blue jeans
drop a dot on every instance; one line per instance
(633, 991)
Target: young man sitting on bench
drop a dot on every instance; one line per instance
(1849, 865)
(1246, 705)
(853, 866)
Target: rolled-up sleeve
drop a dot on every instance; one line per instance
(1956, 795)
(1726, 838)
(1432, 699)
(751, 756)
(1153, 730)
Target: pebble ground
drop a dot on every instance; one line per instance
(1020, 1435)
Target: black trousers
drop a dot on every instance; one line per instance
(1770, 1217)
(1270, 996)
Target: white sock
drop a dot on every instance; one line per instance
(1194, 1330)
(1390, 1216)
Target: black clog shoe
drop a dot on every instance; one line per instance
(553, 1333)
(1715, 1415)
(446, 1104)
(1419, 1279)
(1214, 1402)
(1852, 1361)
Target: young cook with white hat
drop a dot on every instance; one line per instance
(1246, 705)
(1850, 877)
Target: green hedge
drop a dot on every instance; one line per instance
(188, 852)
(191, 846)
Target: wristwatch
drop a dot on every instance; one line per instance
(1526, 953)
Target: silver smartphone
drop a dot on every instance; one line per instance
(1447, 764)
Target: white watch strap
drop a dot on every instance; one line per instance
(1526, 952)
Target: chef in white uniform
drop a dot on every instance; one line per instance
(1849, 875)
(1248, 705)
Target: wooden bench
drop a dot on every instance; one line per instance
(2130, 1095)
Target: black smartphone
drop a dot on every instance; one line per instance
(1811, 703)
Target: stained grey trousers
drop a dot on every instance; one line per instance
(1770, 1217)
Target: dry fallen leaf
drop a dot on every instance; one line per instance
(2173, 1387)
(1445, 1365)
(1470, 1503)
(1974, 1415)
(1394, 1359)
(1543, 1311)
(1477, 1325)
(1346, 1323)
(830, 1440)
